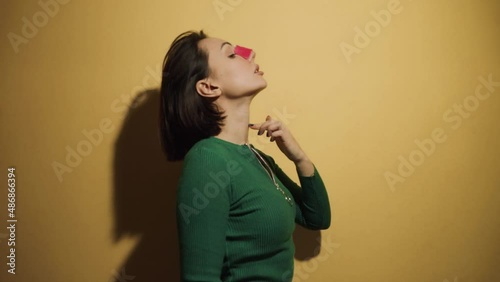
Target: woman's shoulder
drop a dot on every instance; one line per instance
(207, 148)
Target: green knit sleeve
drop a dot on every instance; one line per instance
(313, 205)
(203, 201)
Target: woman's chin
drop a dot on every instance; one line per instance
(260, 89)
(263, 85)
(255, 90)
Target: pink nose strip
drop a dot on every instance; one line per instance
(243, 52)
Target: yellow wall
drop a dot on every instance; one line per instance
(358, 106)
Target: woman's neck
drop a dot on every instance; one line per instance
(235, 127)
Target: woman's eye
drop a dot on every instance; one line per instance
(232, 55)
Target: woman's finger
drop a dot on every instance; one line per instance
(269, 125)
(264, 127)
(276, 125)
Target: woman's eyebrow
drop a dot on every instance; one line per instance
(225, 44)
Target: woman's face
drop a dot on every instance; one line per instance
(233, 75)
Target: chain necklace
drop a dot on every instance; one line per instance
(266, 167)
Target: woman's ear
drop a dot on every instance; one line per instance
(206, 89)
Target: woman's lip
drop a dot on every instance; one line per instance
(258, 71)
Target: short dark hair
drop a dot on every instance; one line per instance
(185, 116)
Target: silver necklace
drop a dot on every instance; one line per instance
(266, 167)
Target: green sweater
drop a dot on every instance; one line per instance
(233, 223)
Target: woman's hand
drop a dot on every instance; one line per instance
(278, 132)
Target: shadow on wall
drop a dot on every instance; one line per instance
(145, 197)
(307, 243)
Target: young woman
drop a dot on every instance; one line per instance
(236, 209)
